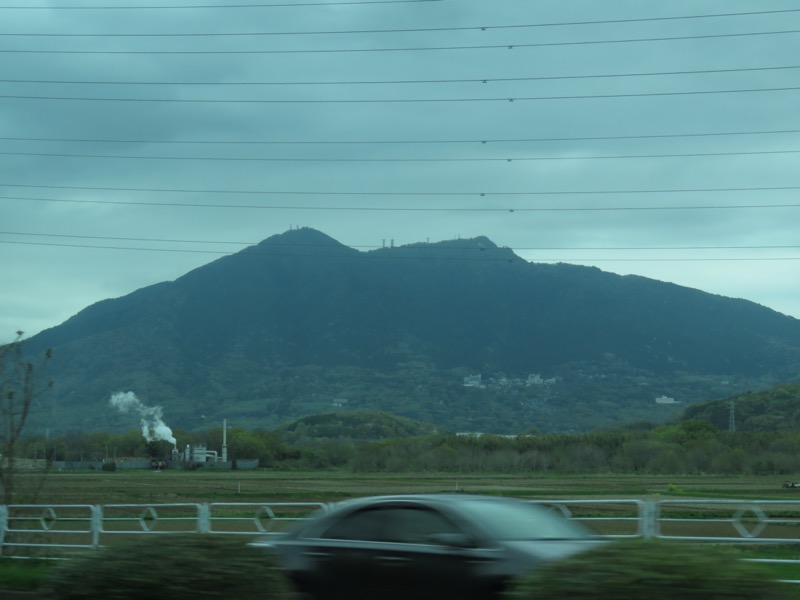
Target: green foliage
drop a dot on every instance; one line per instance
(774, 409)
(371, 441)
(21, 575)
(653, 570)
(337, 442)
(173, 567)
(356, 425)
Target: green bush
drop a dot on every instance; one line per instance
(18, 574)
(654, 570)
(171, 567)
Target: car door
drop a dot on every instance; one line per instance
(441, 560)
(394, 551)
(398, 552)
(340, 557)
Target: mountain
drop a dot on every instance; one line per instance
(301, 324)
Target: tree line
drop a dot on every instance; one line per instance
(689, 447)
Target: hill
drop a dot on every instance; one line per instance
(301, 324)
(352, 426)
(775, 409)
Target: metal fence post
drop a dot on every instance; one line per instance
(3, 525)
(648, 515)
(96, 524)
(203, 518)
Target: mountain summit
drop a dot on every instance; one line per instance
(301, 323)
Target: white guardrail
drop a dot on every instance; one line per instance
(58, 530)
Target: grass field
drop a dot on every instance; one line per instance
(144, 486)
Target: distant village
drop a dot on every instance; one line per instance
(476, 381)
(534, 379)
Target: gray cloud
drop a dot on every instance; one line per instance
(572, 105)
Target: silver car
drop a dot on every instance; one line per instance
(428, 546)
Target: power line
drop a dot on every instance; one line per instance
(409, 30)
(505, 209)
(281, 159)
(511, 46)
(205, 6)
(481, 80)
(384, 256)
(401, 100)
(641, 191)
(93, 247)
(428, 247)
(133, 239)
(693, 259)
(417, 141)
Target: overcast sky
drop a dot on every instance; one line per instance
(141, 139)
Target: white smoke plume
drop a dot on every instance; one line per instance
(153, 426)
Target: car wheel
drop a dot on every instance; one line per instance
(497, 592)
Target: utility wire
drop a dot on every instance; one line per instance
(413, 48)
(138, 239)
(412, 30)
(506, 209)
(375, 247)
(403, 142)
(402, 160)
(409, 194)
(206, 6)
(386, 256)
(481, 80)
(401, 100)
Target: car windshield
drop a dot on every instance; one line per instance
(523, 521)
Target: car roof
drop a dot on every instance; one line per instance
(438, 498)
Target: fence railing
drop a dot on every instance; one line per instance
(58, 530)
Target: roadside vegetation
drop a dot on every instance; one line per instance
(656, 570)
(208, 485)
(23, 575)
(178, 566)
(370, 443)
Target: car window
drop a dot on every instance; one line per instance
(523, 521)
(359, 525)
(417, 525)
(410, 525)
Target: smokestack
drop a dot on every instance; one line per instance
(224, 440)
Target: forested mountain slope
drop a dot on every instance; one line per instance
(301, 323)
